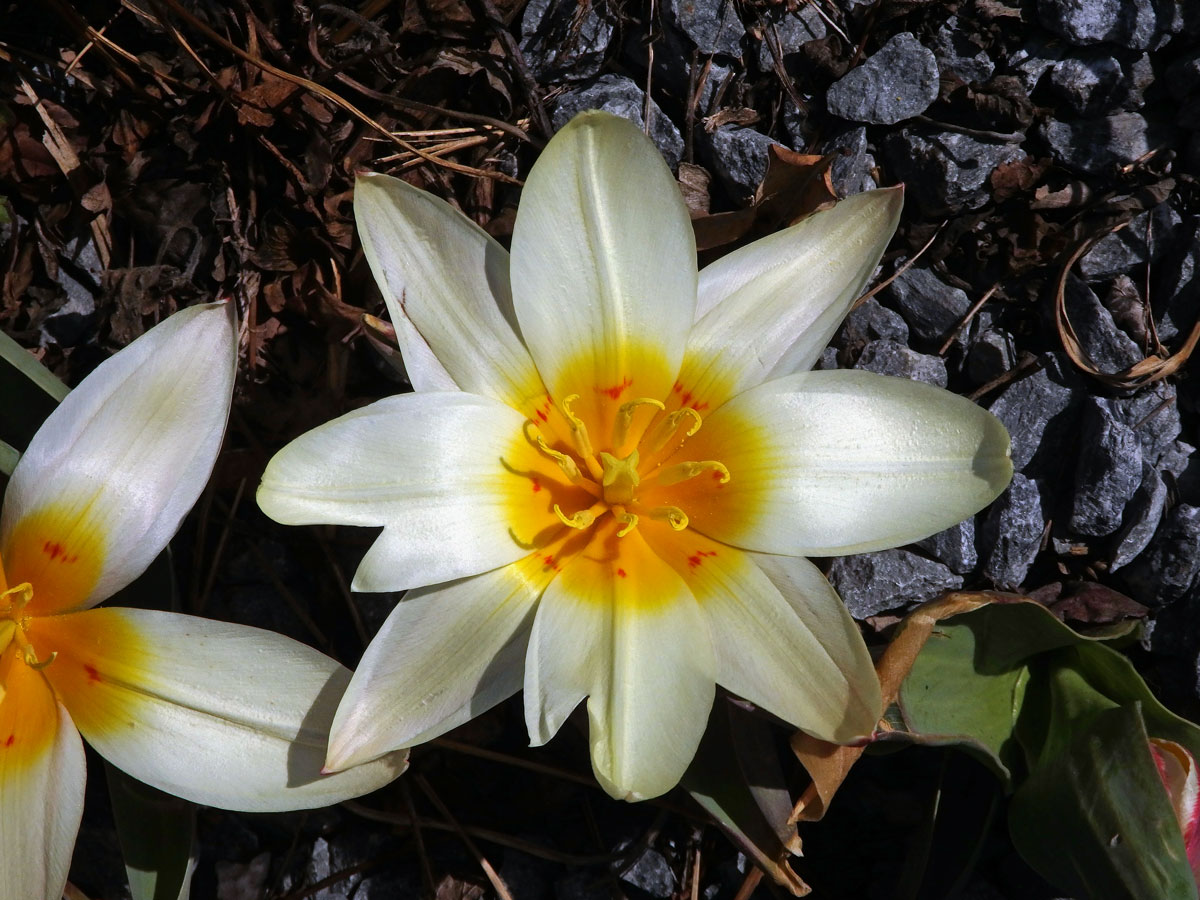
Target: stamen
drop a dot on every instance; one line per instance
(685, 470)
(22, 593)
(627, 519)
(672, 515)
(567, 464)
(30, 654)
(667, 427)
(625, 418)
(579, 431)
(581, 520)
(620, 477)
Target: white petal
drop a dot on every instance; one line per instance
(827, 463)
(769, 308)
(444, 655)
(782, 637)
(216, 713)
(792, 647)
(445, 281)
(42, 775)
(442, 472)
(107, 479)
(603, 263)
(637, 644)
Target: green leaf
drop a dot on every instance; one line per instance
(1093, 816)
(8, 458)
(950, 697)
(28, 391)
(157, 835)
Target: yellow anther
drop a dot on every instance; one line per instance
(17, 597)
(567, 464)
(684, 471)
(620, 477)
(667, 427)
(581, 520)
(625, 418)
(627, 519)
(672, 515)
(33, 662)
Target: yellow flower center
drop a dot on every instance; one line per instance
(640, 447)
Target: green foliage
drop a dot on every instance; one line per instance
(1065, 722)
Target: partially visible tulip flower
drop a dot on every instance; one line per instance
(612, 467)
(1177, 769)
(220, 714)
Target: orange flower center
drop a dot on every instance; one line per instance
(641, 446)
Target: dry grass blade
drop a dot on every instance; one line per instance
(325, 93)
(489, 870)
(1151, 368)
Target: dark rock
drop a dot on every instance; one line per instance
(1109, 470)
(946, 171)
(325, 860)
(1012, 533)
(851, 169)
(1120, 251)
(1142, 515)
(1175, 293)
(1110, 349)
(990, 356)
(1095, 146)
(871, 321)
(1137, 24)
(1153, 414)
(712, 25)
(931, 307)
(651, 873)
(897, 82)
(1033, 59)
(1170, 565)
(738, 156)
(1183, 75)
(828, 360)
(1176, 460)
(583, 884)
(789, 31)
(1041, 412)
(673, 67)
(622, 97)
(564, 40)
(893, 358)
(958, 53)
(1095, 83)
(870, 583)
(954, 547)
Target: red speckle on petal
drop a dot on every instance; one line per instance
(697, 558)
(550, 562)
(686, 398)
(622, 573)
(678, 388)
(10, 740)
(541, 414)
(537, 485)
(614, 392)
(699, 407)
(92, 673)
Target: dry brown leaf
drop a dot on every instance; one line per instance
(796, 185)
(1154, 367)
